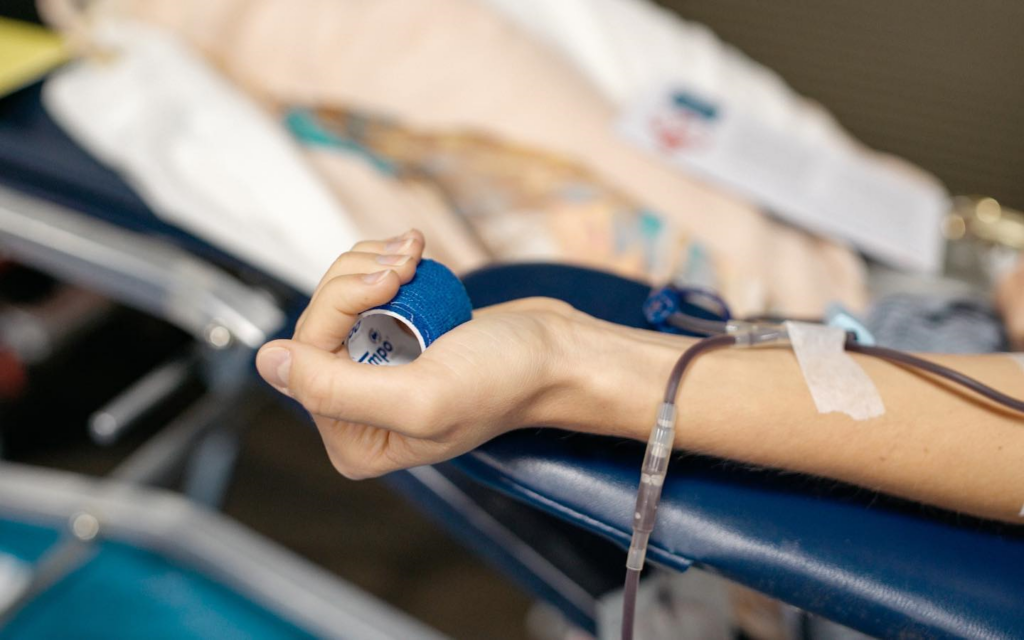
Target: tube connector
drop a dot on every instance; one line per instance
(752, 334)
(652, 479)
(637, 551)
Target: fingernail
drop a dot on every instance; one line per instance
(398, 246)
(393, 260)
(274, 365)
(374, 278)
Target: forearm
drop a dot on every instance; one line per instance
(934, 444)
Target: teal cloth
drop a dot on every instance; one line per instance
(127, 593)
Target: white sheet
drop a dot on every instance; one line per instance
(200, 153)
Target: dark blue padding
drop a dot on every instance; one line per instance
(879, 565)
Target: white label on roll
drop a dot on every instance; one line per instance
(836, 382)
(381, 337)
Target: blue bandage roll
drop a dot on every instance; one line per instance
(431, 304)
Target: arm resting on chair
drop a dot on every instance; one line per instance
(538, 361)
(935, 443)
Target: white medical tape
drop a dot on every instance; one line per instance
(1018, 358)
(835, 380)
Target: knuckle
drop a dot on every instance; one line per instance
(541, 304)
(356, 470)
(339, 263)
(345, 465)
(333, 287)
(559, 307)
(337, 294)
(372, 470)
(343, 261)
(348, 471)
(340, 464)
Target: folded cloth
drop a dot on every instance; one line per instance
(451, 65)
(200, 152)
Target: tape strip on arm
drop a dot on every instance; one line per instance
(836, 382)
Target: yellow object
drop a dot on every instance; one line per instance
(27, 52)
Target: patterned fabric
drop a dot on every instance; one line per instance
(935, 324)
(523, 203)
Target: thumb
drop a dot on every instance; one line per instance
(331, 385)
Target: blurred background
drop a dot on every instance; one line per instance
(925, 81)
(177, 176)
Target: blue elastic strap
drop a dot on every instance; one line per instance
(434, 301)
(662, 303)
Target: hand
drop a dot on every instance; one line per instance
(500, 371)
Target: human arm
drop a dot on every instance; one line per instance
(540, 362)
(935, 443)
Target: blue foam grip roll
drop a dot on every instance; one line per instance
(431, 304)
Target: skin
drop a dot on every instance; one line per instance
(538, 361)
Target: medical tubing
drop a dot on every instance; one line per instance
(900, 357)
(696, 325)
(629, 603)
(699, 347)
(652, 476)
(659, 445)
(752, 333)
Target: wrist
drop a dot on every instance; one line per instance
(611, 378)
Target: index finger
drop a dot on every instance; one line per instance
(333, 312)
(410, 244)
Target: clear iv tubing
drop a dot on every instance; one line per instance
(899, 357)
(751, 333)
(659, 446)
(652, 476)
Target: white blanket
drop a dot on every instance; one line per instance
(202, 154)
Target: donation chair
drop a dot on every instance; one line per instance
(551, 509)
